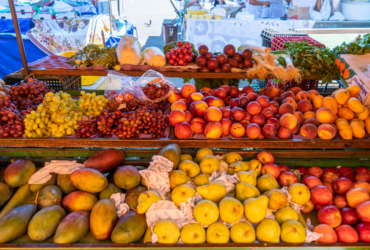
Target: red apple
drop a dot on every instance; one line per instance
(329, 177)
(307, 175)
(183, 130)
(287, 178)
(346, 170)
(362, 211)
(346, 234)
(272, 169)
(258, 119)
(361, 169)
(269, 131)
(363, 177)
(330, 215)
(328, 233)
(349, 176)
(316, 171)
(332, 170)
(308, 207)
(311, 182)
(283, 168)
(226, 112)
(265, 157)
(321, 195)
(340, 201)
(237, 114)
(273, 121)
(176, 116)
(342, 185)
(349, 216)
(302, 170)
(227, 100)
(329, 185)
(356, 196)
(237, 130)
(248, 116)
(363, 230)
(253, 131)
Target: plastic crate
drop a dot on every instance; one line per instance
(278, 42)
(304, 85)
(268, 34)
(54, 82)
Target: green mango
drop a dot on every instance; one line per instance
(25, 239)
(21, 197)
(45, 222)
(49, 196)
(103, 218)
(127, 177)
(6, 192)
(130, 228)
(133, 195)
(37, 187)
(19, 172)
(173, 153)
(89, 238)
(72, 228)
(14, 224)
(65, 183)
(108, 191)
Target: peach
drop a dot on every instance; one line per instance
(340, 201)
(187, 89)
(263, 101)
(226, 124)
(265, 157)
(183, 130)
(362, 211)
(196, 96)
(363, 230)
(198, 127)
(247, 89)
(362, 184)
(296, 129)
(262, 91)
(346, 113)
(188, 116)
(346, 170)
(269, 131)
(233, 102)
(253, 131)
(273, 121)
(277, 100)
(213, 101)
(272, 169)
(206, 89)
(363, 177)
(317, 101)
(329, 185)
(326, 131)
(179, 105)
(248, 116)
(267, 112)
(226, 112)
(309, 114)
(312, 121)
(287, 178)
(213, 130)
(220, 93)
(284, 133)
(176, 116)
(356, 196)
(349, 216)
(286, 108)
(346, 234)
(274, 106)
(311, 182)
(227, 100)
(213, 92)
(342, 185)
(237, 114)
(308, 207)
(288, 120)
(198, 108)
(329, 177)
(234, 92)
(330, 215)
(291, 101)
(288, 94)
(313, 93)
(325, 115)
(245, 122)
(205, 94)
(361, 169)
(237, 130)
(174, 96)
(302, 95)
(272, 92)
(309, 131)
(254, 108)
(252, 96)
(213, 114)
(243, 102)
(304, 106)
(321, 195)
(227, 88)
(328, 233)
(299, 116)
(258, 119)
(316, 171)
(296, 90)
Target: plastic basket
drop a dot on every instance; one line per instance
(304, 85)
(169, 32)
(268, 34)
(54, 82)
(278, 42)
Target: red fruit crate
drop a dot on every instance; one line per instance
(278, 42)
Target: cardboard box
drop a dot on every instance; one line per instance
(354, 70)
(45, 16)
(19, 15)
(298, 13)
(66, 15)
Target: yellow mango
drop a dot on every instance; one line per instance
(344, 130)
(331, 103)
(357, 120)
(346, 113)
(339, 106)
(355, 105)
(345, 105)
(340, 120)
(354, 90)
(367, 125)
(357, 129)
(364, 115)
(317, 101)
(342, 96)
(335, 92)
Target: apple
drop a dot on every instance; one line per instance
(258, 119)
(363, 230)
(176, 116)
(329, 185)
(363, 177)
(265, 157)
(183, 130)
(226, 125)
(287, 178)
(227, 100)
(237, 130)
(362, 211)
(237, 113)
(248, 116)
(346, 170)
(283, 168)
(253, 131)
(316, 171)
(198, 127)
(328, 233)
(187, 89)
(330, 215)
(311, 182)
(205, 94)
(253, 96)
(307, 175)
(361, 169)
(321, 195)
(273, 121)
(220, 93)
(302, 170)
(340, 201)
(346, 234)
(272, 169)
(342, 185)
(245, 122)
(332, 170)
(243, 102)
(308, 207)
(356, 196)
(269, 131)
(349, 176)
(349, 216)
(363, 184)
(329, 177)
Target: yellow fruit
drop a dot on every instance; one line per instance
(239, 166)
(206, 212)
(242, 232)
(245, 191)
(182, 193)
(346, 113)
(344, 130)
(247, 177)
(317, 101)
(203, 152)
(268, 231)
(218, 233)
(231, 210)
(167, 231)
(190, 168)
(364, 115)
(208, 164)
(331, 103)
(202, 179)
(193, 233)
(277, 199)
(358, 128)
(146, 199)
(300, 193)
(213, 191)
(284, 214)
(267, 182)
(255, 208)
(185, 157)
(354, 90)
(255, 165)
(293, 231)
(342, 96)
(341, 120)
(233, 157)
(355, 105)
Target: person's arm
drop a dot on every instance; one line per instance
(254, 2)
(318, 5)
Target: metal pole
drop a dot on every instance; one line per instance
(19, 36)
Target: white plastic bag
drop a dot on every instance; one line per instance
(154, 56)
(324, 13)
(128, 50)
(337, 17)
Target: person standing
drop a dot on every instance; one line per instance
(275, 10)
(255, 7)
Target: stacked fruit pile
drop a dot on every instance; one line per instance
(181, 55)
(229, 198)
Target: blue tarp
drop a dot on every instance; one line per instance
(6, 25)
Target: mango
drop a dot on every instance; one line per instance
(109, 190)
(331, 103)
(105, 160)
(367, 125)
(49, 196)
(133, 195)
(25, 239)
(355, 105)
(45, 222)
(172, 152)
(14, 224)
(21, 197)
(344, 130)
(89, 180)
(65, 183)
(19, 172)
(103, 218)
(129, 228)
(342, 96)
(364, 115)
(127, 177)
(72, 228)
(37, 187)
(346, 113)
(6, 192)
(89, 238)
(79, 201)
(357, 129)
(354, 90)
